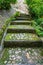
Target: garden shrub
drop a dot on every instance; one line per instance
(36, 10)
(36, 7)
(39, 21)
(4, 4)
(39, 32)
(38, 27)
(28, 2)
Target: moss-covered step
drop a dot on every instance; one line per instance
(21, 22)
(23, 17)
(22, 39)
(20, 29)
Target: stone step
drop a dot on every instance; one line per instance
(21, 22)
(22, 40)
(21, 29)
(23, 17)
(22, 56)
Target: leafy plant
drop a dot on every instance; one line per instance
(36, 7)
(39, 21)
(4, 4)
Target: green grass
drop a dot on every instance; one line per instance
(4, 57)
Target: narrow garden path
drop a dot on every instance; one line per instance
(21, 7)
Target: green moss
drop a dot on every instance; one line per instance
(4, 57)
(1, 32)
(22, 36)
(20, 27)
(8, 37)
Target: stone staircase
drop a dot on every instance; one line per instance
(18, 36)
(23, 17)
(20, 33)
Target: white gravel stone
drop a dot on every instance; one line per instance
(10, 51)
(16, 52)
(13, 62)
(35, 53)
(10, 58)
(5, 62)
(13, 56)
(18, 57)
(9, 62)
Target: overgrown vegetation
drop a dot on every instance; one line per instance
(5, 4)
(36, 11)
(36, 7)
(13, 1)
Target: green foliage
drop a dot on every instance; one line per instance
(4, 4)
(39, 30)
(36, 10)
(17, 14)
(13, 1)
(39, 21)
(36, 7)
(33, 1)
(37, 25)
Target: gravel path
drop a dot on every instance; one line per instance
(21, 7)
(22, 56)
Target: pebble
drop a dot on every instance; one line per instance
(5, 62)
(13, 56)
